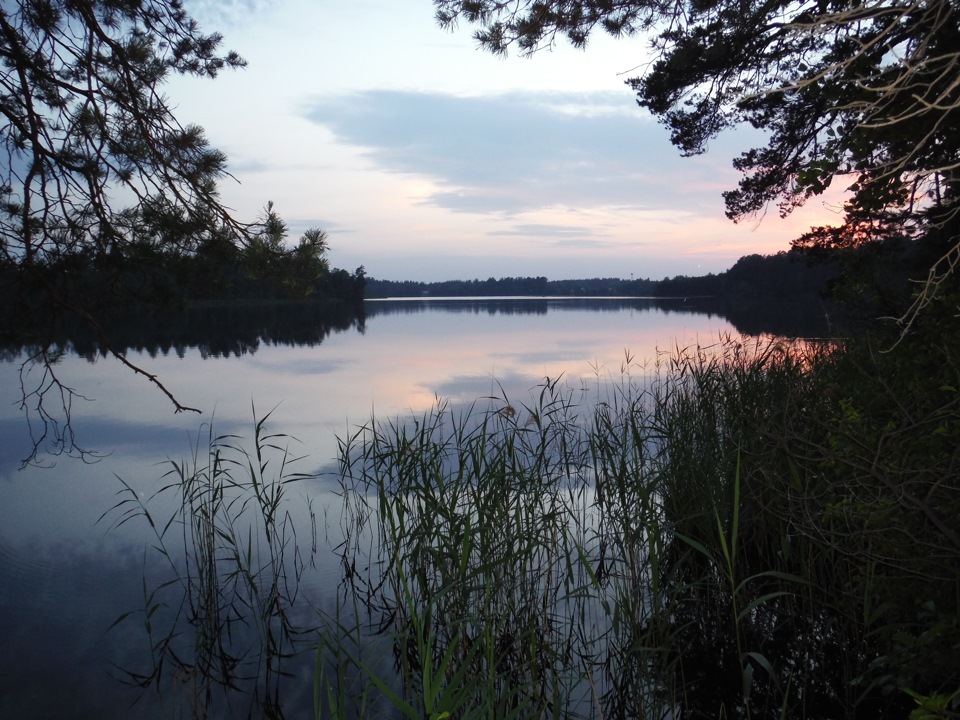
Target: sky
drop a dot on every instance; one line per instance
(425, 158)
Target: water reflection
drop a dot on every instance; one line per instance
(787, 317)
(234, 331)
(531, 305)
(327, 373)
(229, 331)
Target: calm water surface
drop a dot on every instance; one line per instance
(65, 577)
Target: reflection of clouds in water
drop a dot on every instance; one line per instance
(15, 445)
(54, 623)
(547, 356)
(460, 386)
(57, 625)
(300, 366)
(472, 387)
(492, 392)
(103, 437)
(111, 435)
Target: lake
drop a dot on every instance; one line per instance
(67, 573)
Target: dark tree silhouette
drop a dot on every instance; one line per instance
(84, 122)
(93, 163)
(861, 92)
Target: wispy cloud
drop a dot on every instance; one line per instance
(580, 244)
(225, 14)
(522, 152)
(549, 231)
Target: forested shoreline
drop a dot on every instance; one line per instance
(869, 281)
(116, 298)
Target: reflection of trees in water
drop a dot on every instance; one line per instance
(803, 316)
(219, 331)
(466, 306)
(236, 330)
(790, 317)
(216, 331)
(507, 306)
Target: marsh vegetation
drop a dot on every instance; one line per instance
(747, 529)
(734, 536)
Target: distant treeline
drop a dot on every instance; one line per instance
(786, 273)
(517, 286)
(873, 273)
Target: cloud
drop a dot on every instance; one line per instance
(225, 14)
(241, 164)
(550, 231)
(579, 243)
(521, 152)
(298, 226)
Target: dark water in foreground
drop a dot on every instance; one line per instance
(66, 576)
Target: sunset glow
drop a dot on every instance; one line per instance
(427, 159)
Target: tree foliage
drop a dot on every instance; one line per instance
(95, 170)
(93, 157)
(296, 270)
(864, 92)
(107, 201)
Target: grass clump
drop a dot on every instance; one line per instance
(224, 572)
(463, 549)
(757, 530)
(746, 530)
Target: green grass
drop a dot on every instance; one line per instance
(218, 620)
(743, 530)
(701, 540)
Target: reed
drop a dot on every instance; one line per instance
(741, 530)
(670, 548)
(511, 555)
(219, 620)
